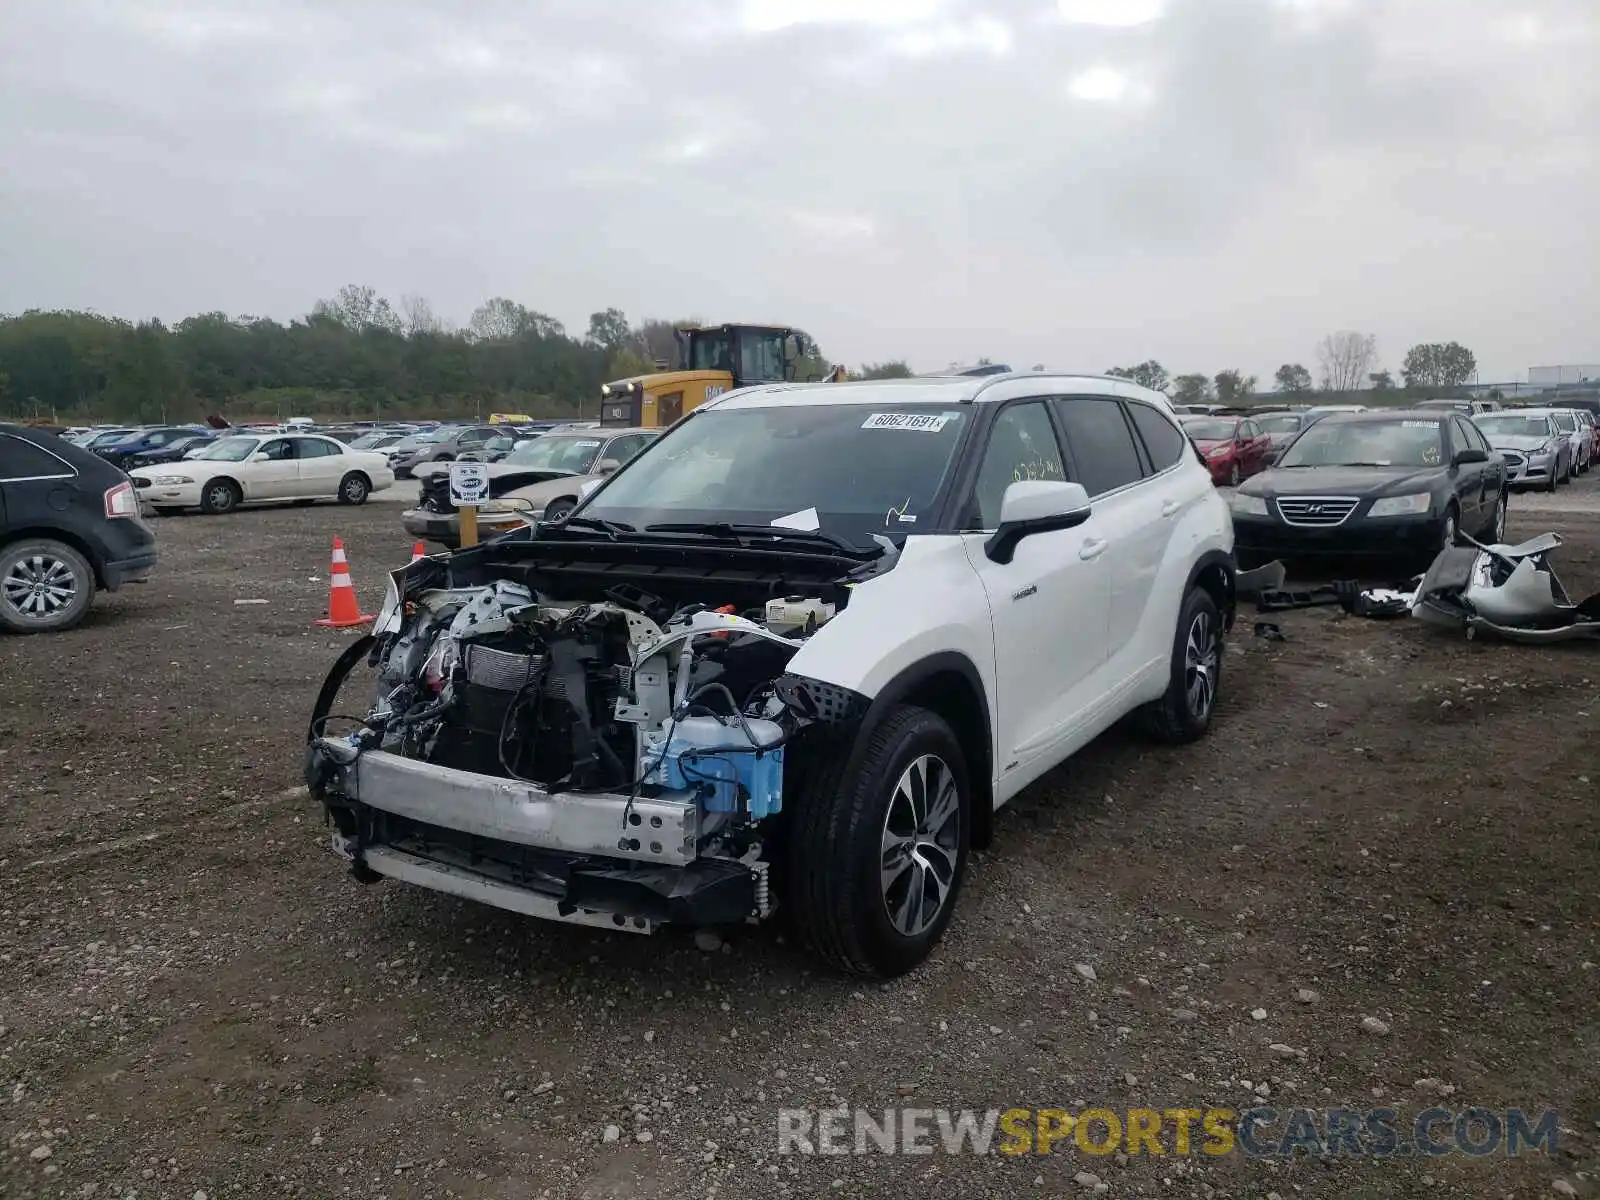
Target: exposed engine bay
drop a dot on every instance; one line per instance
(617, 760)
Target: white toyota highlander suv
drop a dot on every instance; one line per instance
(792, 656)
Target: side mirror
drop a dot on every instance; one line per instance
(259, 457)
(1035, 506)
(1464, 457)
(606, 465)
(586, 489)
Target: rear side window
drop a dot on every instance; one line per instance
(21, 459)
(315, 448)
(1163, 441)
(1101, 444)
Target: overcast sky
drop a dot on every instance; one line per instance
(1212, 183)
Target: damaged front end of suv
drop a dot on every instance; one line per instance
(584, 731)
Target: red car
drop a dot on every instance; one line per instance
(1234, 448)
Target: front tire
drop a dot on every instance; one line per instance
(1184, 712)
(354, 488)
(45, 586)
(878, 851)
(220, 496)
(560, 507)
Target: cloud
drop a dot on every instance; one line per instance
(1209, 182)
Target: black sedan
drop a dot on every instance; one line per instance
(1381, 486)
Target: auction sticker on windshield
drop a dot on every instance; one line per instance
(924, 422)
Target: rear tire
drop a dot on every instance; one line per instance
(877, 852)
(354, 488)
(1184, 713)
(45, 586)
(220, 496)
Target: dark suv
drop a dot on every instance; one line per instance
(69, 523)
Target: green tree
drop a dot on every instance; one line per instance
(1292, 377)
(1191, 389)
(1234, 387)
(1438, 365)
(1382, 381)
(609, 330)
(144, 381)
(1150, 374)
(895, 369)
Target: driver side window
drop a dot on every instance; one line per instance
(1022, 446)
(278, 450)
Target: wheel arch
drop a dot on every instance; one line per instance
(1214, 572)
(67, 537)
(948, 683)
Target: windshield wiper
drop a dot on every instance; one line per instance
(729, 529)
(611, 527)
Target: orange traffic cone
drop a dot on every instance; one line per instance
(343, 609)
(418, 550)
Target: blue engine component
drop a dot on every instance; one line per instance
(718, 761)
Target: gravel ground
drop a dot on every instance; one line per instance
(195, 997)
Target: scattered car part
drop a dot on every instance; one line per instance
(1511, 592)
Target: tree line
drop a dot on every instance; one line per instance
(359, 355)
(356, 355)
(1347, 362)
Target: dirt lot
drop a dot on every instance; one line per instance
(195, 997)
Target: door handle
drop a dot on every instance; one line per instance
(1092, 548)
(1169, 507)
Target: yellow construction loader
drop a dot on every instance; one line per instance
(711, 360)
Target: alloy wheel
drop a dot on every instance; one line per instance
(920, 845)
(39, 586)
(1200, 656)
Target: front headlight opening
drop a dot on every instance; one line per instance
(170, 481)
(1250, 506)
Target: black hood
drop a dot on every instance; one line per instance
(1343, 481)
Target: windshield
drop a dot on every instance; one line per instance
(710, 352)
(445, 433)
(1286, 424)
(1210, 430)
(556, 453)
(374, 441)
(1367, 444)
(229, 449)
(845, 469)
(499, 443)
(1522, 427)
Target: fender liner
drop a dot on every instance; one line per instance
(969, 716)
(1219, 564)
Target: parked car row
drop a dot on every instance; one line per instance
(254, 469)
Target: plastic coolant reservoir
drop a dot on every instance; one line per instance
(717, 760)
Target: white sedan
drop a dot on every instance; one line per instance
(260, 469)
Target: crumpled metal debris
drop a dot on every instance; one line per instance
(1509, 591)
